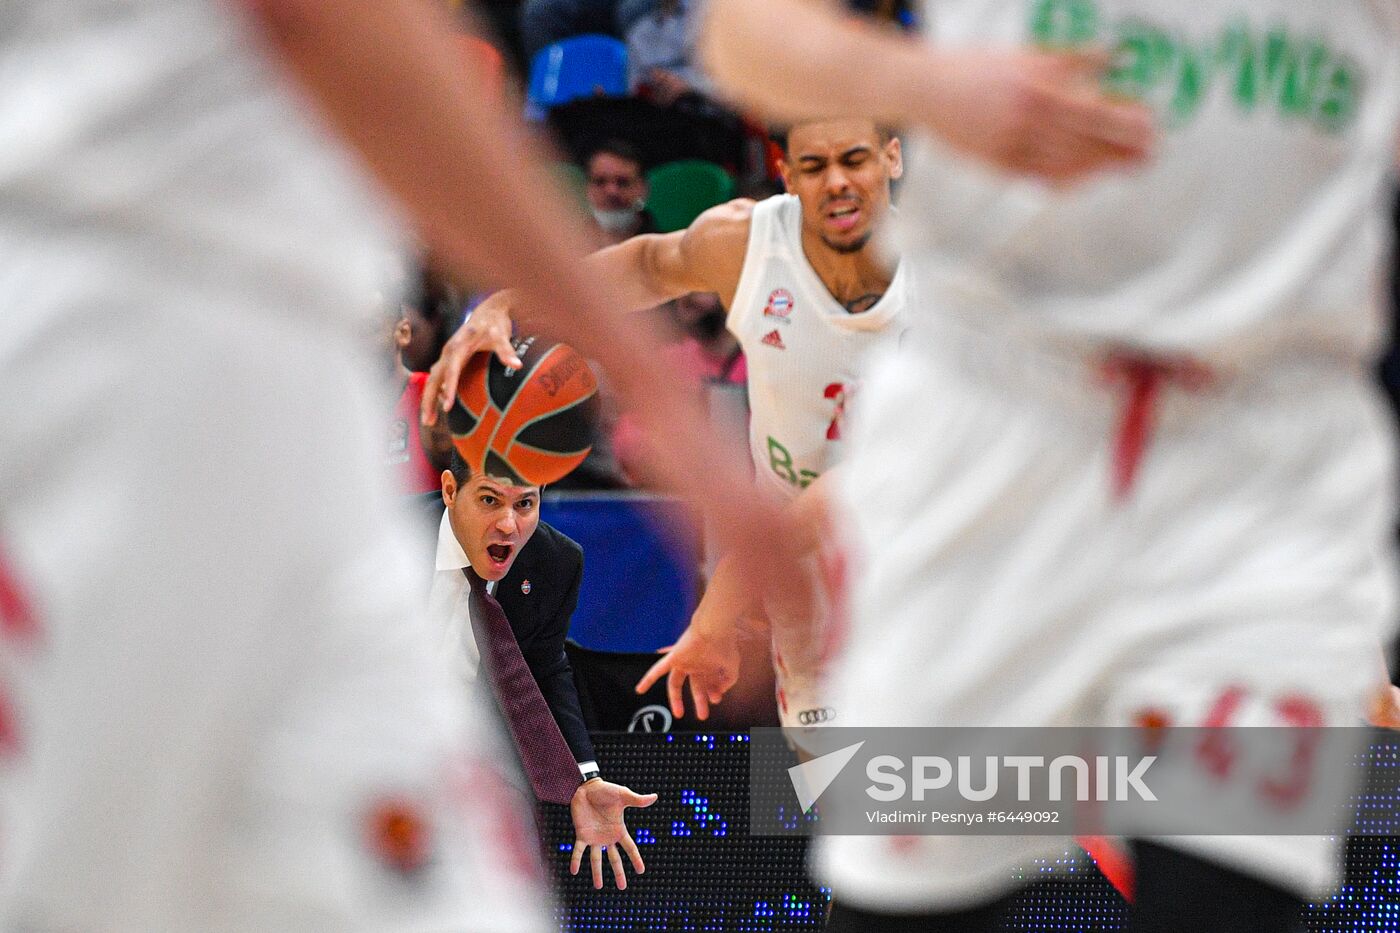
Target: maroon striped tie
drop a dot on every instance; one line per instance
(548, 763)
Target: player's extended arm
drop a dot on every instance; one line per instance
(643, 271)
(1026, 111)
(387, 71)
(708, 653)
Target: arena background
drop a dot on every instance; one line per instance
(705, 872)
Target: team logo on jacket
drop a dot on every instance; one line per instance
(774, 339)
(525, 587)
(779, 304)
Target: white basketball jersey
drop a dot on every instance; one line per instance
(1257, 226)
(803, 348)
(140, 130)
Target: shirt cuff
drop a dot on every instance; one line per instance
(585, 768)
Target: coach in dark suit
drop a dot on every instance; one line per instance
(490, 536)
(539, 595)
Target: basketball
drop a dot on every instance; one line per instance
(531, 425)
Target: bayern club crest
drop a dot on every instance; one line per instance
(779, 304)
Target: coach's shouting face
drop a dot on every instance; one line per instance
(490, 518)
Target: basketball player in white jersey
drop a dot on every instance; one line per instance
(1158, 481)
(220, 708)
(807, 297)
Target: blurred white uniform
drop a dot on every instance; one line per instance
(805, 355)
(1135, 462)
(231, 716)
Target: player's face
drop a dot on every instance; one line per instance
(492, 521)
(615, 183)
(841, 171)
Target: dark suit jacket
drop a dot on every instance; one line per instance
(552, 564)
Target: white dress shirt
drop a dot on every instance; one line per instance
(449, 609)
(449, 602)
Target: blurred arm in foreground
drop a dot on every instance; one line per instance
(479, 195)
(1024, 111)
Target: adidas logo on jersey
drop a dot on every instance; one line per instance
(774, 339)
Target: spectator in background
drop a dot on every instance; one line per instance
(417, 456)
(433, 311)
(546, 21)
(664, 69)
(661, 53)
(617, 192)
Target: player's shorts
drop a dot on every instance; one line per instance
(802, 648)
(222, 708)
(1036, 546)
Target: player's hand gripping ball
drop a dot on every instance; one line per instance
(531, 425)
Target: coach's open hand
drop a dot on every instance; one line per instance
(487, 328)
(597, 809)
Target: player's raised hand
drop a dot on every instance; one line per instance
(1030, 112)
(707, 660)
(598, 811)
(708, 653)
(487, 328)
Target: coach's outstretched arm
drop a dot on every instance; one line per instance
(643, 272)
(1030, 112)
(383, 72)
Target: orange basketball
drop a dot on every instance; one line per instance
(532, 425)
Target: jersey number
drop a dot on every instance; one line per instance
(839, 392)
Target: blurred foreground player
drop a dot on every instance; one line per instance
(807, 297)
(1158, 479)
(220, 710)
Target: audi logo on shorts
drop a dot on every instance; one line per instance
(815, 717)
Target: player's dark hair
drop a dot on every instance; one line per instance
(779, 134)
